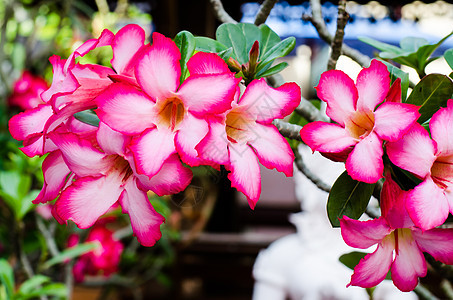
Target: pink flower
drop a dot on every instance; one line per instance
(245, 135)
(102, 178)
(364, 121)
(27, 90)
(103, 260)
(399, 243)
(430, 202)
(163, 116)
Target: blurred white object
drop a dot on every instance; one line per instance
(305, 265)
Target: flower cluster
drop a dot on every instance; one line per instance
(151, 118)
(370, 121)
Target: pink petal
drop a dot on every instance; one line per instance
(125, 109)
(245, 172)
(34, 145)
(87, 199)
(151, 149)
(171, 179)
(427, 205)
(207, 63)
(340, 94)
(130, 37)
(409, 263)
(373, 268)
(29, 122)
(80, 156)
(364, 163)
(110, 141)
(158, 70)
(363, 234)
(55, 172)
(272, 149)
(415, 152)
(393, 120)
(189, 135)
(373, 84)
(326, 137)
(213, 149)
(145, 220)
(437, 242)
(394, 93)
(208, 94)
(62, 83)
(440, 127)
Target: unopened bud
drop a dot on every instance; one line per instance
(234, 65)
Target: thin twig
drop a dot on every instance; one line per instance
(337, 41)
(288, 130)
(264, 11)
(318, 22)
(310, 175)
(423, 293)
(48, 237)
(220, 12)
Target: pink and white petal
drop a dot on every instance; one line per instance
(213, 149)
(125, 109)
(339, 92)
(393, 120)
(208, 93)
(158, 71)
(414, 152)
(409, 263)
(326, 137)
(436, 242)
(145, 221)
(440, 127)
(363, 234)
(365, 163)
(373, 84)
(272, 149)
(130, 37)
(29, 122)
(55, 173)
(62, 83)
(207, 63)
(34, 145)
(245, 172)
(80, 155)
(265, 103)
(151, 149)
(427, 205)
(373, 268)
(87, 199)
(191, 131)
(171, 179)
(111, 141)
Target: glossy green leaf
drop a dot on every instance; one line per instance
(70, 253)
(231, 35)
(271, 71)
(351, 259)
(88, 117)
(398, 73)
(448, 55)
(431, 93)
(268, 39)
(205, 44)
(348, 197)
(33, 283)
(7, 278)
(279, 50)
(186, 44)
(251, 33)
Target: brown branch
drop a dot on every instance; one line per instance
(288, 130)
(220, 12)
(337, 41)
(264, 11)
(318, 22)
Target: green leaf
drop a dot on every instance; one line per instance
(251, 33)
(425, 52)
(27, 204)
(70, 253)
(281, 49)
(397, 72)
(271, 71)
(268, 39)
(226, 54)
(205, 44)
(351, 259)
(14, 189)
(88, 117)
(380, 45)
(231, 35)
(32, 284)
(186, 44)
(348, 197)
(7, 278)
(54, 289)
(431, 93)
(448, 55)
(412, 44)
